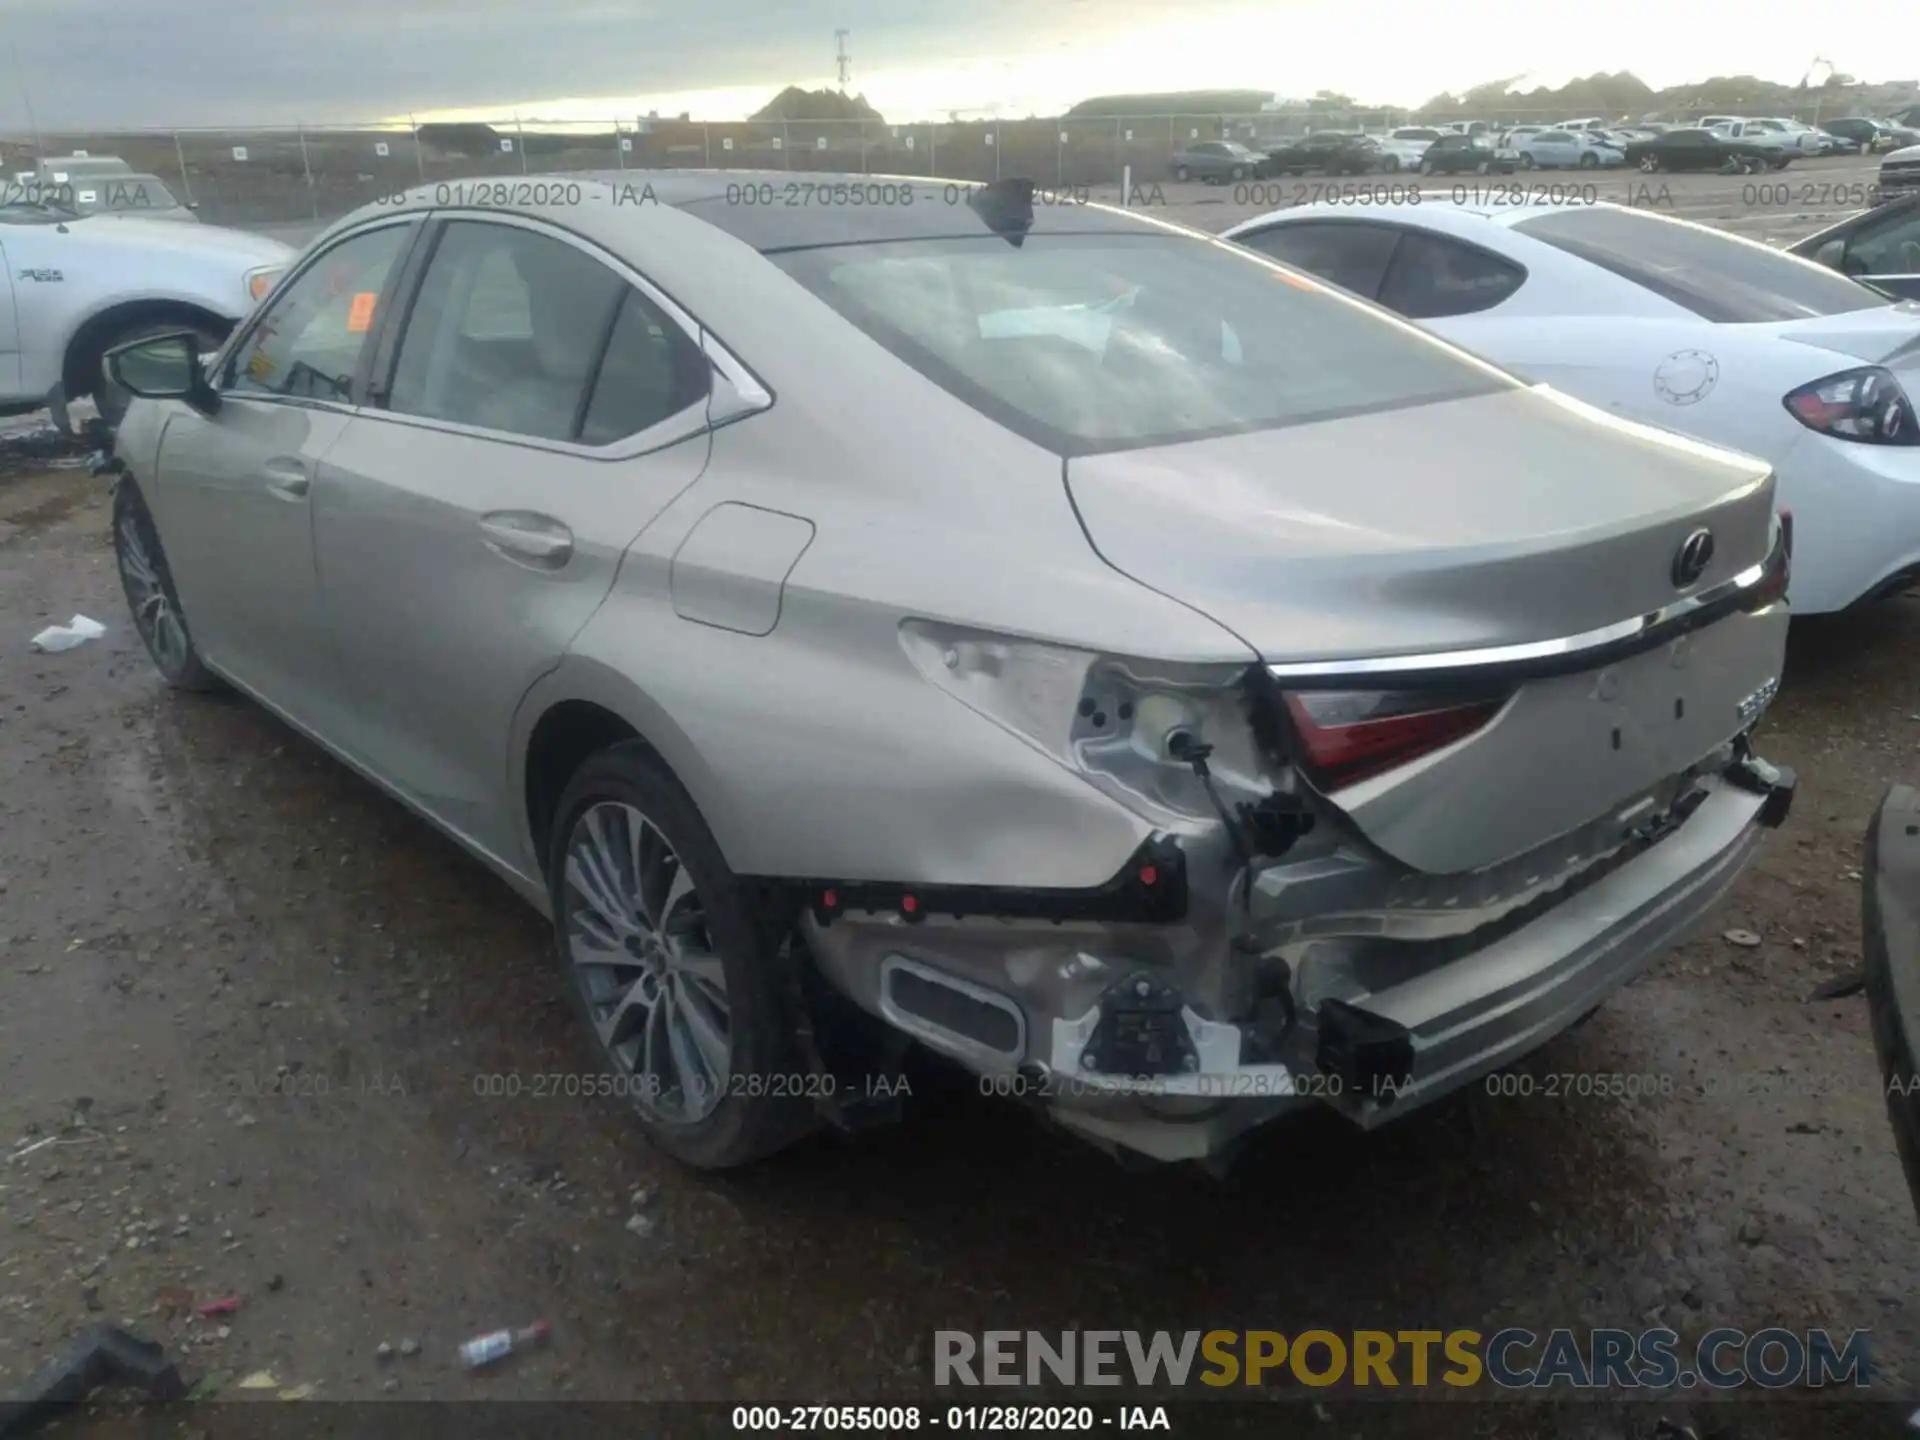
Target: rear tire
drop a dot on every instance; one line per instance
(1589, 161)
(627, 844)
(1526, 160)
(151, 598)
(109, 398)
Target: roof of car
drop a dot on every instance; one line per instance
(773, 210)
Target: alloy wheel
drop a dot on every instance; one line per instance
(154, 615)
(644, 960)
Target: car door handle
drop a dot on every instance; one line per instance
(287, 477)
(522, 536)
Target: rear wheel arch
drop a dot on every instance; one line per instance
(587, 712)
(80, 364)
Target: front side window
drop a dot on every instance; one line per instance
(1095, 341)
(1887, 247)
(308, 344)
(1717, 276)
(505, 332)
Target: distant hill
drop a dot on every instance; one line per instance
(793, 103)
(1175, 102)
(1625, 94)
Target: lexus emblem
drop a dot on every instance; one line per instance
(1690, 561)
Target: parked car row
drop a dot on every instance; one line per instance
(1365, 713)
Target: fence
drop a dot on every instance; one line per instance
(317, 173)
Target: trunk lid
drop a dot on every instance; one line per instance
(1496, 520)
(1463, 526)
(1886, 335)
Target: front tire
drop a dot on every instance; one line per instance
(1180, 172)
(673, 965)
(151, 598)
(1649, 164)
(109, 398)
(1589, 161)
(1391, 165)
(1526, 160)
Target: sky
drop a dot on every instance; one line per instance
(125, 63)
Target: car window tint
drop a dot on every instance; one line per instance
(652, 369)
(1432, 276)
(504, 332)
(1091, 341)
(1347, 253)
(308, 344)
(1717, 276)
(1890, 246)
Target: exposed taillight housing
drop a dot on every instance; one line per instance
(1347, 736)
(1778, 567)
(1865, 405)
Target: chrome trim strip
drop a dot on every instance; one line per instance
(1642, 630)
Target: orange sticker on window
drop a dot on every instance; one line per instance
(360, 317)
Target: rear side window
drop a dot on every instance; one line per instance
(651, 370)
(1717, 276)
(1087, 342)
(1433, 277)
(1349, 254)
(505, 332)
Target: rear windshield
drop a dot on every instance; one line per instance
(1098, 341)
(1717, 276)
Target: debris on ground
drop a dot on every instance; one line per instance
(409, 1346)
(103, 1355)
(77, 631)
(298, 1392)
(1745, 939)
(383, 1352)
(259, 1380)
(485, 1349)
(225, 1305)
(1841, 986)
(642, 1225)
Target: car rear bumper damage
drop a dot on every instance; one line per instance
(1170, 1012)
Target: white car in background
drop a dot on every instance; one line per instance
(1673, 324)
(81, 283)
(1407, 144)
(1770, 135)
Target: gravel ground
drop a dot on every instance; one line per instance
(249, 1003)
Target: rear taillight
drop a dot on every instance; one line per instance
(1866, 405)
(1352, 735)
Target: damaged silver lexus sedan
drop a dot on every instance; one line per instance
(897, 612)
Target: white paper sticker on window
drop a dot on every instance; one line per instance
(506, 144)
(626, 143)
(1129, 134)
(1193, 134)
(59, 177)
(380, 147)
(821, 143)
(80, 154)
(776, 142)
(1063, 137)
(87, 197)
(989, 137)
(726, 142)
(909, 142)
(239, 152)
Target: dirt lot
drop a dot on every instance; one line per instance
(251, 1004)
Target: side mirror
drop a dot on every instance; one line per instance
(163, 367)
(1833, 254)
